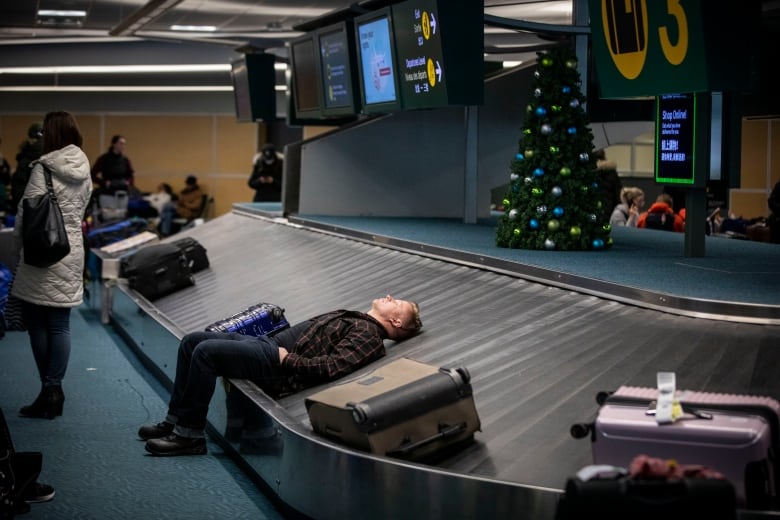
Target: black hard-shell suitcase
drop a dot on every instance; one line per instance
(257, 320)
(195, 253)
(624, 498)
(405, 409)
(736, 435)
(157, 270)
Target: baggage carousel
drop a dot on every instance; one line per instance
(539, 347)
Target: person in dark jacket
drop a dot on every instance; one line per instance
(29, 151)
(774, 218)
(315, 351)
(113, 171)
(266, 177)
(609, 182)
(5, 183)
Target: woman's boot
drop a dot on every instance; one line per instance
(47, 405)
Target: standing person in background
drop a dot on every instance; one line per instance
(632, 200)
(113, 171)
(189, 205)
(609, 181)
(5, 183)
(29, 151)
(774, 218)
(49, 293)
(266, 178)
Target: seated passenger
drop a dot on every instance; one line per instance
(315, 351)
(661, 215)
(188, 206)
(632, 200)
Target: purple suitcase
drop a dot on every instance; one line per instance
(736, 435)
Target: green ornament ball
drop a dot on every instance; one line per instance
(565, 171)
(554, 149)
(547, 61)
(516, 232)
(607, 228)
(571, 63)
(553, 225)
(505, 202)
(529, 153)
(555, 108)
(536, 192)
(527, 131)
(575, 231)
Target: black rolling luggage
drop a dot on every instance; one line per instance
(195, 253)
(405, 409)
(157, 270)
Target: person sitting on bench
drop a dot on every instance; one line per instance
(315, 351)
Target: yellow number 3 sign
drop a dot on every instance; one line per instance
(625, 25)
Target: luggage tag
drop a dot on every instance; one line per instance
(667, 409)
(665, 406)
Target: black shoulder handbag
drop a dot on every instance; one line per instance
(44, 237)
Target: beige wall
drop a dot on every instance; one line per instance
(166, 148)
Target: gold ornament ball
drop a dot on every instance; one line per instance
(575, 231)
(571, 63)
(529, 153)
(565, 171)
(553, 225)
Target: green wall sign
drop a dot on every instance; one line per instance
(651, 47)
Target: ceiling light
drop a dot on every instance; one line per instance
(123, 69)
(62, 13)
(194, 28)
(117, 88)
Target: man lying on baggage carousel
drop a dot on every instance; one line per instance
(315, 351)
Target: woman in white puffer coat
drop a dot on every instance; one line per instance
(49, 293)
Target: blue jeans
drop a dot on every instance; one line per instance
(204, 356)
(166, 218)
(49, 331)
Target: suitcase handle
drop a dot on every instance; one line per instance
(445, 431)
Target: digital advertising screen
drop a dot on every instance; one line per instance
(243, 104)
(376, 57)
(305, 77)
(675, 138)
(254, 87)
(336, 56)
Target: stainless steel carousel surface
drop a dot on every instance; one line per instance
(537, 355)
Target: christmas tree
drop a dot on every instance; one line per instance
(553, 198)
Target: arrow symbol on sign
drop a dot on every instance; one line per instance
(438, 71)
(433, 23)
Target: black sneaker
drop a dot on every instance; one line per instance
(176, 445)
(155, 431)
(37, 492)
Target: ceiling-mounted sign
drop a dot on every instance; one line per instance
(644, 47)
(439, 52)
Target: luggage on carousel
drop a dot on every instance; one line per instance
(257, 320)
(736, 435)
(157, 270)
(195, 253)
(405, 409)
(108, 234)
